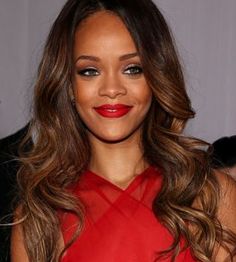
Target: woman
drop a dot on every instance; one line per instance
(110, 176)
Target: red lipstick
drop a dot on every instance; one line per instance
(113, 111)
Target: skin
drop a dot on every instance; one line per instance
(108, 71)
(116, 83)
(116, 142)
(227, 209)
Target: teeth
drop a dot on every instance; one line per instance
(111, 110)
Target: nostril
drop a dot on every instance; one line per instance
(112, 90)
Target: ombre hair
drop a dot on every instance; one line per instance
(61, 150)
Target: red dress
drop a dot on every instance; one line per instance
(119, 224)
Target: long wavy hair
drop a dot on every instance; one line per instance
(61, 150)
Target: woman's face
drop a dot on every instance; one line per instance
(111, 93)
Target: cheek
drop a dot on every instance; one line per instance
(148, 97)
(145, 96)
(82, 102)
(146, 101)
(83, 95)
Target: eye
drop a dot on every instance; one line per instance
(88, 72)
(133, 70)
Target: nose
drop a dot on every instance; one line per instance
(112, 87)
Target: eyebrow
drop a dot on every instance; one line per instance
(87, 57)
(96, 59)
(128, 56)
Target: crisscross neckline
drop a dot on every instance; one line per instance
(95, 178)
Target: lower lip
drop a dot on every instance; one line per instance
(113, 114)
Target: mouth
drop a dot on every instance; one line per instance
(113, 111)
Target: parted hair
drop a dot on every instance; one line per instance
(61, 149)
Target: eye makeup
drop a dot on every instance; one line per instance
(88, 72)
(133, 69)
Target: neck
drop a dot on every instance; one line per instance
(117, 162)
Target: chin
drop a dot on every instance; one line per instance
(113, 138)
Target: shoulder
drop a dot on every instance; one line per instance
(227, 200)
(18, 250)
(226, 213)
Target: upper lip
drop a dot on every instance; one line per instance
(115, 106)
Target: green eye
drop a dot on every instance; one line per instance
(88, 72)
(133, 70)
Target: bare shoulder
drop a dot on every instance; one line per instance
(18, 250)
(18, 247)
(226, 211)
(227, 203)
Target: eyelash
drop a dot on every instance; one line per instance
(88, 72)
(134, 70)
(131, 70)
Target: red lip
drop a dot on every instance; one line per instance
(113, 111)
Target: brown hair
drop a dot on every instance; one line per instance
(61, 150)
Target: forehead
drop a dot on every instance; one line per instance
(103, 30)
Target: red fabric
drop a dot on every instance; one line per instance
(119, 224)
